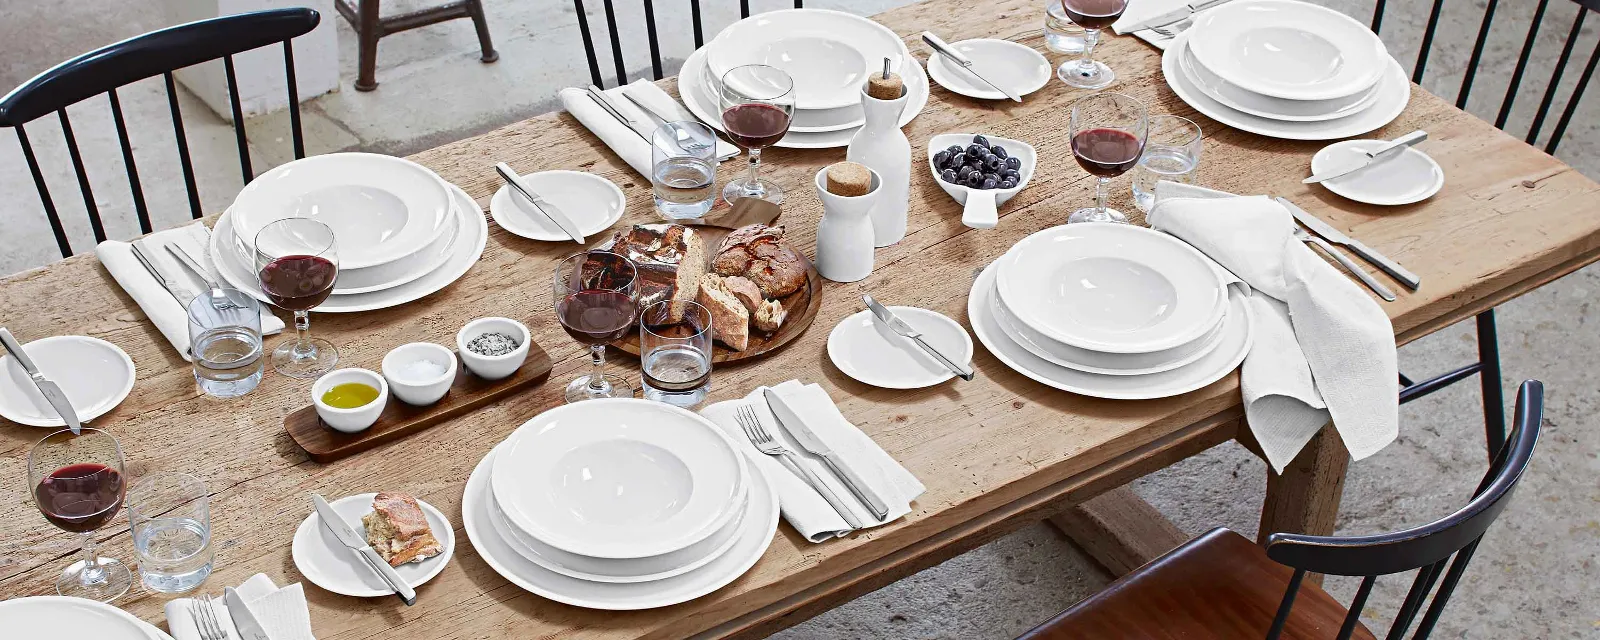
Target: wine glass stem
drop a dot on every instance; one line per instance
(597, 368)
(1100, 198)
(302, 336)
(1090, 38)
(753, 178)
(91, 574)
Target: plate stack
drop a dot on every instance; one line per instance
(1286, 69)
(619, 504)
(402, 232)
(1110, 311)
(828, 54)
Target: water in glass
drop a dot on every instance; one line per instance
(227, 361)
(174, 554)
(1162, 163)
(1061, 35)
(677, 375)
(684, 187)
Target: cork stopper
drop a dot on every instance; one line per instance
(886, 85)
(849, 179)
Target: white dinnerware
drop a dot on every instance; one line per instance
(1288, 49)
(827, 53)
(865, 348)
(38, 617)
(881, 146)
(594, 204)
(319, 556)
(1412, 176)
(1009, 64)
(419, 384)
(359, 418)
(400, 271)
(981, 206)
(94, 374)
(493, 367)
(845, 234)
(1236, 97)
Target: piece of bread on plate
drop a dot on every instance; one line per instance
(759, 252)
(768, 316)
(730, 321)
(398, 530)
(746, 291)
(670, 259)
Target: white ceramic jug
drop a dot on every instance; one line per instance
(844, 236)
(883, 148)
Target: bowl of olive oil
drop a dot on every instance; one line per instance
(350, 400)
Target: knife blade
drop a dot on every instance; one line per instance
(549, 209)
(1170, 16)
(790, 421)
(600, 98)
(1391, 150)
(901, 327)
(947, 51)
(1389, 266)
(244, 622)
(50, 390)
(335, 524)
(166, 283)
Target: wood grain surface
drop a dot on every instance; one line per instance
(990, 451)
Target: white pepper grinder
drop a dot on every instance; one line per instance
(882, 147)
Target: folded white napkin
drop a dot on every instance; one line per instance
(281, 612)
(1143, 10)
(629, 146)
(802, 506)
(1322, 348)
(170, 316)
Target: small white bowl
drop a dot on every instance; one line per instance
(981, 205)
(419, 392)
(350, 420)
(493, 367)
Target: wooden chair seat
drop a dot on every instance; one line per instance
(1219, 585)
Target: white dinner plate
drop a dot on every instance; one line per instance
(865, 348)
(381, 208)
(1394, 91)
(1239, 333)
(1288, 49)
(802, 120)
(497, 553)
(1009, 64)
(406, 269)
(619, 478)
(1410, 177)
(592, 203)
(94, 374)
(1113, 288)
(827, 53)
(1267, 106)
(56, 617)
(340, 569)
(464, 253)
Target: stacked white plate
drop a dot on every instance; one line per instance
(619, 504)
(1286, 69)
(66, 617)
(401, 231)
(1110, 311)
(828, 54)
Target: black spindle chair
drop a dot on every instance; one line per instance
(650, 32)
(155, 53)
(1220, 585)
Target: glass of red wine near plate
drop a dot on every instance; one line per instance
(78, 484)
(1108, 134)
(1092, 15)
(597, 301)
(296, 263)
(757, 103)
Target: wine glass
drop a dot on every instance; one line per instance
(297, 263)
(597, 301)
(1092, 15)
(78, 484)
(1108, 133)
(757, 104)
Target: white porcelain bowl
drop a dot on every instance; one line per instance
(980, 204)
(350, 420)
(493, 367)
(827, 53)
(419, 391)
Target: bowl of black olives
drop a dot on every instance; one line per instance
(981, 172)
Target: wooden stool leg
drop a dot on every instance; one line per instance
(367, 35)
(475, 9)
(1305, 498)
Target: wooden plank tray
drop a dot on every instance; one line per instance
(398, 420)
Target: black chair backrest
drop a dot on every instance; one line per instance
(650, 32)
(1426, 548)
(158, 52)
(1584, 7)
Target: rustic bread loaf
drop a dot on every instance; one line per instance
(758, 252)
(670, 259)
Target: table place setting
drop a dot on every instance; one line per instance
(257, 609)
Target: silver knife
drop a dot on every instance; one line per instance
(166, 283)
(1405, 277)
(955, 56)
(1171, 16)
(1376, 156)
(244, 621)
(660, 117)
(189, 263)
(600, 98)
(1348, 264)
(901, 327)
(335, 524)
(50, 390)
(656, 117)
(540, 204)
(790, 421)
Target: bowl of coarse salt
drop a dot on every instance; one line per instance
(419, 373)
(493, 348)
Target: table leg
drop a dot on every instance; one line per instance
(1305, 497)
(1119, 530)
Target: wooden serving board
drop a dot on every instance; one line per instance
(398, 420)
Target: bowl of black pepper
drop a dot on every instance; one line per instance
(981, 172)
(493, 348)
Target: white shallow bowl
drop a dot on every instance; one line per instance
(350, 420)
(1288, 49)
(52, 617)
(402, 270)
(827, 53)
(866, 349)
(328, 564)
(415, 391)
(1011, 65)
(94, 374)
(592, 202)
(801, 121)
(493, 367)
(980, 205)
(619, 478)
(1267, 106)
(1411, 177)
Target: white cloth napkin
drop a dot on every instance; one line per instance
(629, 146)
(170, 316)
(802, 506)
(1143, 10)
(1323, 347)
(281, 612)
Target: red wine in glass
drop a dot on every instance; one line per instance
(596, 316)
(1094, 14)
(1107, 153)
(80, 497)
(298, 283)
(755, 125)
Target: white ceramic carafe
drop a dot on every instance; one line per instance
(844, 236)
(883, 148)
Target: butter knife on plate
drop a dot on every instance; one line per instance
(335, 524)
(1335, 236)
(244, 621)
(549, 209)
(944, 49)
(1385, 152)
(906, 330)
(791, 422)
(50, 390)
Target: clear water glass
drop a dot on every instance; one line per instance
(1171, 153)
(1061, 35)
(225, 343)
(170, 516)
(684, 169)
(675, 352)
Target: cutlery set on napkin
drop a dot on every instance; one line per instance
(256, 610)
(625, 117)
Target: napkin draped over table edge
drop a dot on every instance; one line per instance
(633, 149)
(282, 612)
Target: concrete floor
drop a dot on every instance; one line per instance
(1527, 581)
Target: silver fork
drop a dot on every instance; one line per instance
(751, 424)
(1171, 30)
(1348, 264)
(204, 612)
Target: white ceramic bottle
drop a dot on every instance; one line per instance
(883, 148)
(844, 236)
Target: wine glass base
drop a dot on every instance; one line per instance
(615, 387)
(113, 581)
(761, 189)
(1094, 76)
(1091, 214)
(322, 358)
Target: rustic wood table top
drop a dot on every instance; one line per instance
(992, 452)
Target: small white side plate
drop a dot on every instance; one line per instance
(95, 375)
(592, 202)
(332, 566)
(1006, 63)
(1410, 177)
(866, 349)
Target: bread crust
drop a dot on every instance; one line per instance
(758, 252)
(398, 530)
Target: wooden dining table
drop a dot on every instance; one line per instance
(995, 453)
